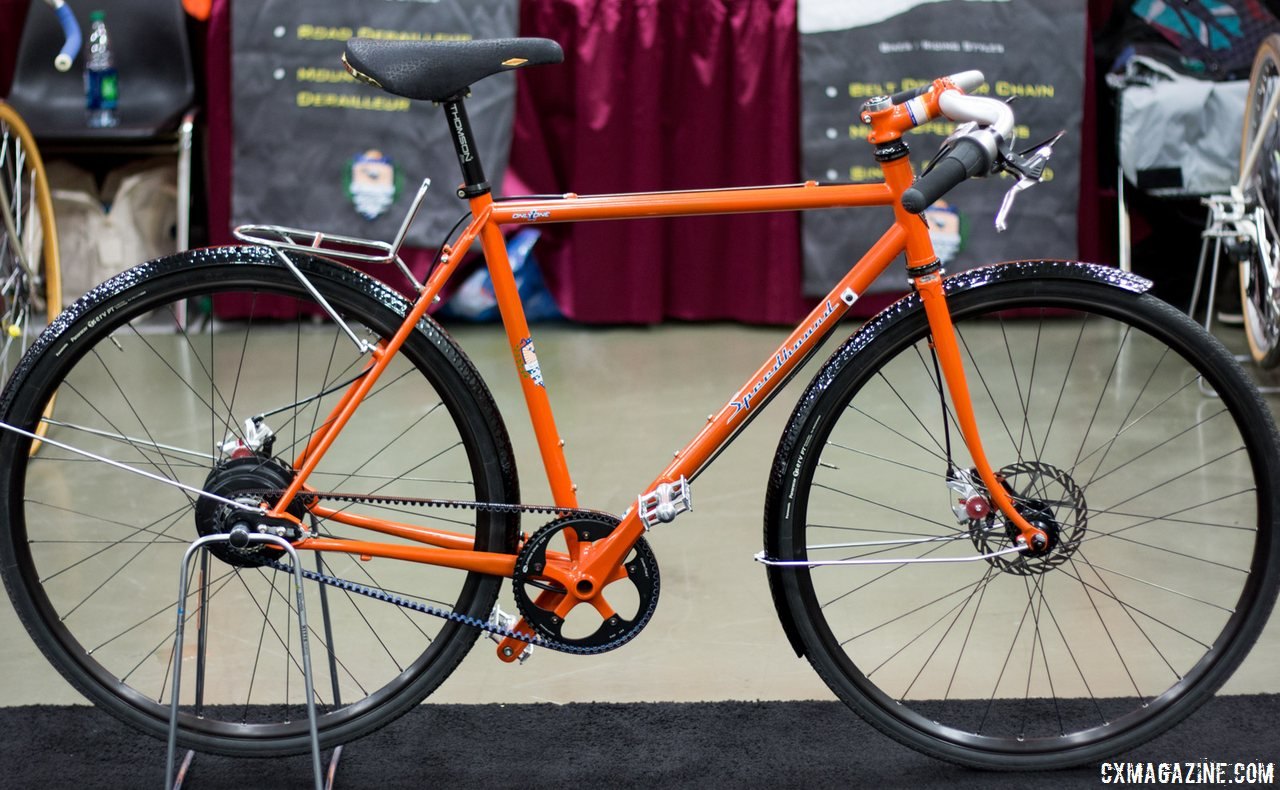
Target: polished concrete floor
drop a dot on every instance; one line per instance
(625, 398)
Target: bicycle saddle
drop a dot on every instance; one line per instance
(441, 70)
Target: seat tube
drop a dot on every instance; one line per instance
(526, 358)
(475, 189)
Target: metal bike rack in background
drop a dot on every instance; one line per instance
(201, 545)
(1230, 219)
(1227, 221)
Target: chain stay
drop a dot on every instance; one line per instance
(406, 603)
(456, 504)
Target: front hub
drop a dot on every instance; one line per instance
(1049, 499)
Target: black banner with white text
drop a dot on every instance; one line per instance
(1032, 51)
(315, 149)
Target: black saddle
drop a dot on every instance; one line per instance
(441, 70)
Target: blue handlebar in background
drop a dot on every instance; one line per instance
(71, 29)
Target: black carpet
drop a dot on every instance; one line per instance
(727, 744)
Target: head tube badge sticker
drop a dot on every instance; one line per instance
(529, 360)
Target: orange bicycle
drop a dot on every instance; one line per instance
(1061, 585)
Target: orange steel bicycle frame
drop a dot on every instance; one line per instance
(593, 567)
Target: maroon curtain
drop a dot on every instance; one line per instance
(660, 95)
(13, 14)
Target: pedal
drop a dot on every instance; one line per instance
(664, 503)
(509, 648)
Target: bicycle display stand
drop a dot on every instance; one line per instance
(239, 536)
(1227, 221)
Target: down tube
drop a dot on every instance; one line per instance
(751, 398)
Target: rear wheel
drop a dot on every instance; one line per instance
(1260, 259)
(90, 552)
(1160, 503)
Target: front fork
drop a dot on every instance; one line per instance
(947, 349)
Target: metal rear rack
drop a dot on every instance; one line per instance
(341, 248)
(349, 249)
(317, 242)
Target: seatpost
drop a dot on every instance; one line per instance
(473, 181)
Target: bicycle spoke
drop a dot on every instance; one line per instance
(159, 448)
(959, 611)
(173, 517)
(1106, 445)
(978, 371)
(1102, 393)
(885, 506)
(864, 453)
(1004, 666)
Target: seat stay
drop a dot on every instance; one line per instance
(381, 356)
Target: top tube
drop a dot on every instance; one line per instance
(638, 205)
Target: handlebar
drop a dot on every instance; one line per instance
(965, 160)
(71, 30)
(973, 151)
(965, 80)
(985, 112)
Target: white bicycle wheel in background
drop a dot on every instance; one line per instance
(30, 285)
(1259, 278)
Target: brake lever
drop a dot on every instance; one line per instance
(1028, 167)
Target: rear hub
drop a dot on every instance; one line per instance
(251, 480)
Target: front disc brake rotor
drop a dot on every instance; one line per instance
(608, 619)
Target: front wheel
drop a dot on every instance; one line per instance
(1160, 503)
(175, 368)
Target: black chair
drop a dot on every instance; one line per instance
(157, 88)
